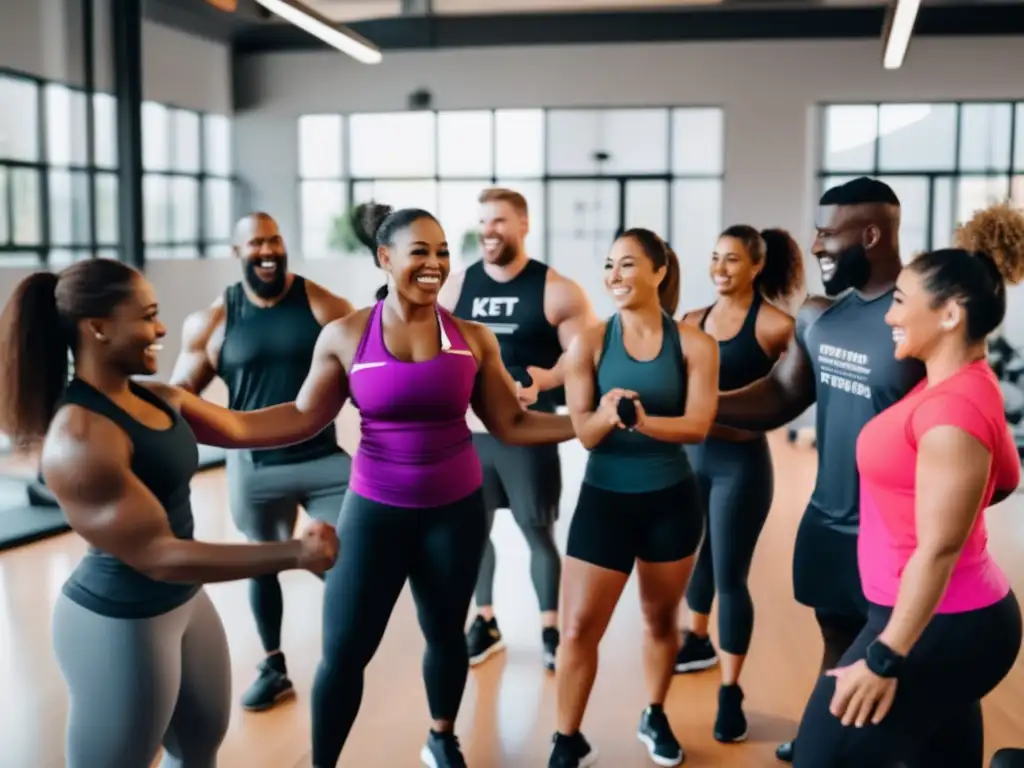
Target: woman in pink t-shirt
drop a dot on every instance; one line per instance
(944, 627)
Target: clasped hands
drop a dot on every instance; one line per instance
(609, 408)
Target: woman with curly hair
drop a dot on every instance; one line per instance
(944, 627)
(750, 270)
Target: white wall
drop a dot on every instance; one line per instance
(767, 89)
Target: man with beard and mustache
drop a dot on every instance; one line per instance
(535, 312)
(842, 358)
(258, 337)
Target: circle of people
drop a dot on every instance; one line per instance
(458, 379)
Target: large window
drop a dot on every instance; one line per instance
(586, 173)
(944, 161)
(46, 171)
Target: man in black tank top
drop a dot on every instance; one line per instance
(535, 312)
(842, 358)
(259, 338)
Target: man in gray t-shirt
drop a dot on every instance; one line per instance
(842, 358)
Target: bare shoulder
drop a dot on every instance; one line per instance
(77, 433)
(200, 325)
(774, 321)
(327, 306)
(815, 304)
(479, 337)
(697, 344)
(693, 317)
(586, 345)
(562, 288)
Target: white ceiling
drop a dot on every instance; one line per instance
(344, 11)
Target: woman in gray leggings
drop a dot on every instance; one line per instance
(138, 641)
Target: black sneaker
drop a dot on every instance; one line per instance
(656, 734)
(549, 637)
(483, 640)
(731, 723)
(571, 752)
(785, 752)
(442, 751)
(696, 653)
(271, 687)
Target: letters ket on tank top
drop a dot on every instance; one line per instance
(416, 449)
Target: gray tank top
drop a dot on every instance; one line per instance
(164, 461)
(629, 462)
(857, 377)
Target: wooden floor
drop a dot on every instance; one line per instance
(509, 708)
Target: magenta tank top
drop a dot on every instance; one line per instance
(416, 449)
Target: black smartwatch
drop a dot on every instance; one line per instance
(883, 660)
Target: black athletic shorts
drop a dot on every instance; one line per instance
(612, 530)
(826, 573)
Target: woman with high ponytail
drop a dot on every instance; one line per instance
(752, 272)
(639, 387)
(944, 626)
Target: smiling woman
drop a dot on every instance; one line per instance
(377, 225)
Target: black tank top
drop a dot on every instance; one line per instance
(264, 360)
(515, 312)
(164, 461)
(741, 359)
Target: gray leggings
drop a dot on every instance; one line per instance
(137, 684)
(737, 484)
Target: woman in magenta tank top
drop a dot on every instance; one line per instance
(944, 627)
(414, 509)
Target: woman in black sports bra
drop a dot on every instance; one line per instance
(734, 468)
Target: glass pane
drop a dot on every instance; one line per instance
(107, 209)
(155, 137)
(326, 227)
(985, 137)
(108, 253)
(465, 144)
(185, 209)
(589, 142)
(698, 141)
(320, 147)
(217, 145)
(60, 257)
(395, 144)
(219, 204)
(398, 194)
(851, 131)
(5, 228)
(69, 208)
(943, 213)
(977, 192)
(30, 259)
(647, 206)
(65, 126)
(27, 226)
(583, 217)
(536, 203)
(183, 252)
(186, 141)
(218, 251)
(19, 119)
(696, 223)
(458, 211)
(105, 114)
(157, 253)
(917, 137)
(519, 143)
(156, 208)
(914, 220)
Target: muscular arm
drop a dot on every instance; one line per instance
(580, 368)
(326, 306)
(194, 370)
(318, 403)
(494, 400)
(783, 394)
(952, 473)
(86, 463)
(701, 352)
(567, 306)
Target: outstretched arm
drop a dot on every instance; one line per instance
(495, 403)
(318, 403)
(701, 353)
(786, 392)
(86, 463)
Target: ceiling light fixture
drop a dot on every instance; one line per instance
(342, 38)
(899, 26)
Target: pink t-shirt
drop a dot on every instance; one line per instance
(887, 462)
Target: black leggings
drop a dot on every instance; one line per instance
(736, 484)
(935, 719)
(439, 551)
